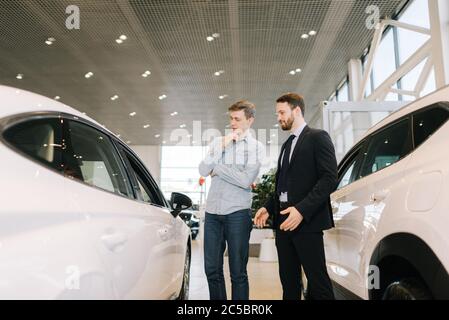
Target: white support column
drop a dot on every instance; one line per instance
(355, 78)
(425, 73)
(369, 65)
(439, 27)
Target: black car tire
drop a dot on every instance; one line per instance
(184, 294)
(407, 289)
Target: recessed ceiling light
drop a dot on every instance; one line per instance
(146, 126)
(298, 70)
(114, 97)
(182, 125)
(312, 32)
(293, 72)
(216, 35)
(210, 38)
(128, 142)
(269, 142)
(123, 37)
(119, 41)
(88, 75)
(217, 73)
(162, 97)
(223, 97)
(164, 142)
(174, 113)
(50, 41)
(57, 97)
(157, 135)
(273, 135)
(19, 76)
(305, 36)
(276, 125)
(118, 136)
(132, 114)
(146, 73)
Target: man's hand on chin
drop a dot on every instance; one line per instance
(293, 221)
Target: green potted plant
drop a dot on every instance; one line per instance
(262, 191)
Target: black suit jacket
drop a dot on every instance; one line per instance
(312, 177)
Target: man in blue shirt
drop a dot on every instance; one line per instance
(233, 162)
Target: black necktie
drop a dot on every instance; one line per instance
(282, 181)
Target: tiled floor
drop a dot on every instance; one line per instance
(263, 277)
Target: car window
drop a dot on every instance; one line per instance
(91, 157)
(141, 181)
(425, 123)
(348, 173)
(40, 139)
(387, 147)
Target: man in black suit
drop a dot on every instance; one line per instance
(300, 206)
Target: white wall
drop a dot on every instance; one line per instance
(151, 157)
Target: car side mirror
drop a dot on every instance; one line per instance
(179, 202)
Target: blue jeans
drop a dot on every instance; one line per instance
(233, 229)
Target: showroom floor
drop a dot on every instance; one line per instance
(263, 277)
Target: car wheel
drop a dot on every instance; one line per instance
(184, 294)
(407, 289)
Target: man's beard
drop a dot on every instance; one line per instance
(287, 126)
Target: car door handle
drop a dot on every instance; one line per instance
(380, 195)
(114, 240)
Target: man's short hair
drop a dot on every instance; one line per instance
(294, 100)
(248, 107)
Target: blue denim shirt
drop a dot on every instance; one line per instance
(233, 170)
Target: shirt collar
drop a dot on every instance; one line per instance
(298, 131)
(246, 136)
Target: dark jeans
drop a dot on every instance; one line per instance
(233, 229)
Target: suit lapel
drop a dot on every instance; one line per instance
(298, 143)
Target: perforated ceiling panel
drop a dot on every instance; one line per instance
(258, 43)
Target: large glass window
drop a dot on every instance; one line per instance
(395, 50)
(179, 172)
(425, 123)
(91, 157)
(343, 93)
(417, 14)
(387, 147)
(40, 139)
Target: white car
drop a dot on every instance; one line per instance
(391, 208)
(80, 215)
